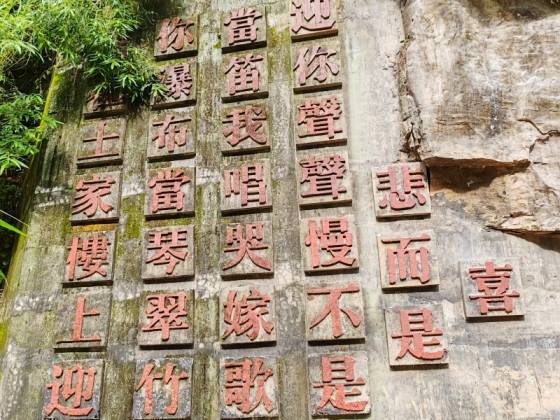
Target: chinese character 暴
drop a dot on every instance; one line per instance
(493, 288)
(243, 27)
(247, 314)
(247, 123)
(312, 17)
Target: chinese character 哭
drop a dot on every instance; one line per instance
(323, 175)
(246, 314)
(312, 17)
(245, 240)
(246, 123)
(244, 26)
(176, 35)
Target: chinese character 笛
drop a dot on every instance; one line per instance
(176, 36)
(247, 314)
(244, 27)
(312, 18)
(245, 76)
(247, 123)
(316, 65)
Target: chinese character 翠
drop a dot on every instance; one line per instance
(165, 313)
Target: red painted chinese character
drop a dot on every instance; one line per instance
(339, 383)
(241, 26)
(89, 195)
(246, 315)
(169, 378)
(249, 182)
(245, 384)
(98, 102)
(245, 124)
(332, 236)
(314, 61)
(312, 15)
(164, 313)
(178, 80)
(418, 333)
(167, 193)
(322, 174)
(406, 262)
(71, 387)
(100, 138)
(244, 240)
(412, 186)
(172, 132)
(90, 255)
(320, 116)
(170, 248)
(493, 286)
(243, 75)
(174, 33)
(333, 308)
(81, 313)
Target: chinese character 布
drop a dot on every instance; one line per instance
(170, 134)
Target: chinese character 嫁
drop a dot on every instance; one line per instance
(249, 387)
(317, 66)
(170, 192)
(176, 37)
(245, 186)
(312, 18)
(245, 77)
(96, 198)
(244, 28)
(245, 129)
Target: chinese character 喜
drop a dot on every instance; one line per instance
(493, 285)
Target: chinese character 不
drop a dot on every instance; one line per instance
(407, 262)
(312, 15)
(248, 181)
(171, 132)
(89, 193)
(246, 314)
(243, 75)
(70, 389)
(168, 248)
(242, 27)
(245, 382)
(173, 34)
(332, 236)
(340, 385)
(405, 196)
(323, 173)
(164, 313)
(167, 192)
(418, 334)
(90, 255)
(315, 61)
(243, 124)
(493, 285)
(169, 378)
(244, 240)
(320, 116)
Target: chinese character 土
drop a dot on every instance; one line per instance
(172, 132)
(245, 240)
(243, 75)
(418, 335)
(90, 193)
(402, 188)
(248, 182)
(71, 390)
(333, 236)
(174, 35)
(493, 287)
(247, 314)
(341, 387)
(405, 262)
(312, 16)
(322, 176)
(245, 384)
(333, 308)
(166, 312)
(167, 190)
(246, 123)
(87, 257)
(317, 63)
(171, 381)
(242, 27)
(169, 248)
(319, 117)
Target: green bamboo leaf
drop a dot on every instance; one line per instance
(11, 228)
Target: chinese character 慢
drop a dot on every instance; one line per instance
(333, 236)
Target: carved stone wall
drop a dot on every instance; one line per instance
(347, 211)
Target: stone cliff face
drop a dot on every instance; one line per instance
(471, 88)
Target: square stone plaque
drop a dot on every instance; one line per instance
(339, 384)
(156, 397)
(247, 315)
(89, 259)
(416, 336)
(247, 250)
(176, 37)
(245, 129)
(101, 143)
(324, 178)
(320, 120)
(245, 75)
(249, 388)
(316, 65)
(334, 311)
(172, 134)
(329, 244)
(492, 289)
(168, 254)
(97, 105)
(83, 321)
(179, 79)
(313, 19)
(96, 198)
(244, 28)
(166, 319)
(170, 192)
(246, 186)
(81, 375)
(407, 261)
(401, 190)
